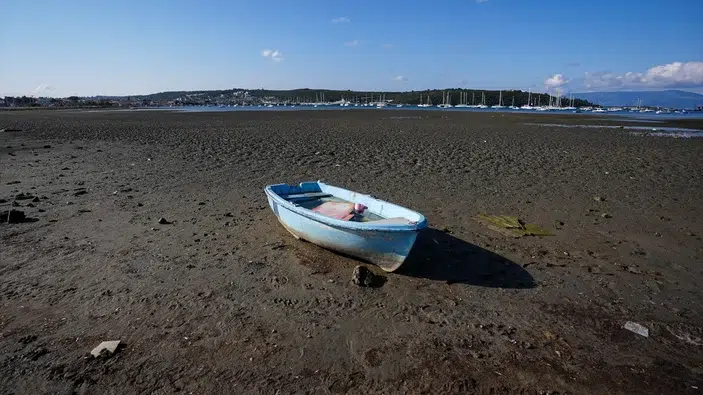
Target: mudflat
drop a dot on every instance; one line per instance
(221, 299)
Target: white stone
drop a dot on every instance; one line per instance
(110, 346)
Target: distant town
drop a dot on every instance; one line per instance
(509, 99)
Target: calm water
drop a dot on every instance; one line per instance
(617, 114)
(636, 130)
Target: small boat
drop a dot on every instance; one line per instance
(346, 221)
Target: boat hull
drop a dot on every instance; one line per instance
(387, 250)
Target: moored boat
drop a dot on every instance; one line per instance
(356, 224)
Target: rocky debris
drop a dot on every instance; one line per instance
(47, 146)
(164, 221)
(80, 192)
(105, 349)
(13, 182)
(599, 198)
(362, 276)
(606, 215)
(12, 216)
(10, 130)
(3, 201)
(636, 328)
(36, 199)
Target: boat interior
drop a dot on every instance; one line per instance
(335, 207)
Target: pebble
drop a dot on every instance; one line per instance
(636, 328)
(163, 221)
(362, 276)
(106, 349)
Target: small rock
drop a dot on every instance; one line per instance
(229, 215)
(47, 146)
(362, 276)
(5, 201)
(599, 198)
(636, 328)
(79, 193)
(606, 215)
(163, 221)
(105, 349)
(632, 270)
(15, 204)
(36, 199)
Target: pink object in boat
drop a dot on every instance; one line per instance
(339, 210)
(359, 208)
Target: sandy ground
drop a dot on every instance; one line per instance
(224, 300)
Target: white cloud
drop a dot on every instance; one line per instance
(353, 43)
(341, 19)
(274, 54)
(42, 90)
(556, 81)
(672, 75)
(399, 78)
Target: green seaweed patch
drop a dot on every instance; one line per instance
(512, 226)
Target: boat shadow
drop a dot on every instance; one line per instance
(440, 256)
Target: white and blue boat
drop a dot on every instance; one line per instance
(346, 221)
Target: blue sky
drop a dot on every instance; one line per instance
(61, 48)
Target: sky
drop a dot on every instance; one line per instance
(100, 47)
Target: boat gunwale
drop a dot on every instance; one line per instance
(338, 223)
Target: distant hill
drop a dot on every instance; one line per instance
(436, 96)
(667, 99)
